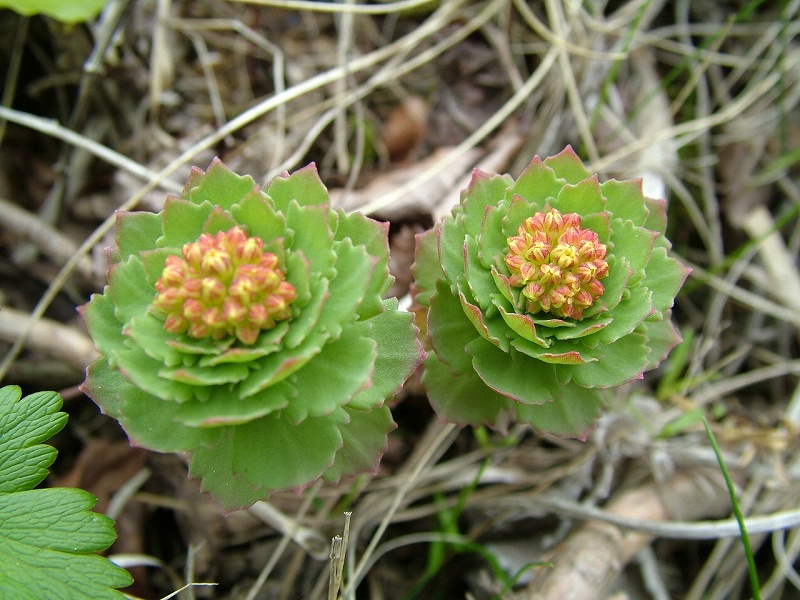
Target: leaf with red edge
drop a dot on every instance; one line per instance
(465, 399)
(364, 441)
(572, 415)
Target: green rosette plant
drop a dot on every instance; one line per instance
(247, 328)
(538, 294)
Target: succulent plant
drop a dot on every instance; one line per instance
(247, 328)
(539, 293)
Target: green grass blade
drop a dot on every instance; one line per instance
(748, 549)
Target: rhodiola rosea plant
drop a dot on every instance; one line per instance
(247, 329)
(537, 294)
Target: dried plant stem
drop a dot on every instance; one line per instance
(427, 453)
(61, 342)
(48, 240)
(112, 157)
(308, 539)
(591, 558)
(338, 555)
(282, 545)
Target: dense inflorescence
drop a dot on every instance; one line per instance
(557, 263)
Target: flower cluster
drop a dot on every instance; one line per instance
(539, 293)
(247, 329)
(224, 285)
(557, 263)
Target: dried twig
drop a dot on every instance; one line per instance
(591, 558)
(63, 343)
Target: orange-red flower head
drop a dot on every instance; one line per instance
(223, 285)
(557, 263)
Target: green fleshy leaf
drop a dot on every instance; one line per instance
(634, 243)
(662, 337)
(571, 416)
(665, 277)
(519, 210)
(289, 456)
(23, 426)
(465, 399)
(537, 184)
(568, 165)
(373, 235)
(128, 289)
(203, 346)
(136, 232)
(334, 376)
(46, 545)
(279, 365)
(304, 186)
(143, 371)
(427, 269)
(657, 218)
(299, 275)
(615, 283)
(224, 407)
(517, 376)
(627, 315)
(506, 291)
(268, 342)
(482, 325)
(479, 278)
(546, 320)
(450, 330)
(625, 200)
(154, 262)
(523, 325)
(600, 223)
(483, 190)
(218, 220)
(571, 356)
(306, 321)
(102, 385)
(450, 246)
(399, 353)
(229, 489)
(48, 535)
(584, 328)
(260, 217)
(103, 325)
(196, 375)
(218, 185)
(152, 423)
(182, 222)
(364, 441)
(148, 332)
(312, 235)
(622, 361)
(582, 198)
(354, 268)
(559, 351)
(492, 244)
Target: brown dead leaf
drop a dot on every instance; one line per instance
(423, 199)
(402, 246)
(103, 466)
(405, 128)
